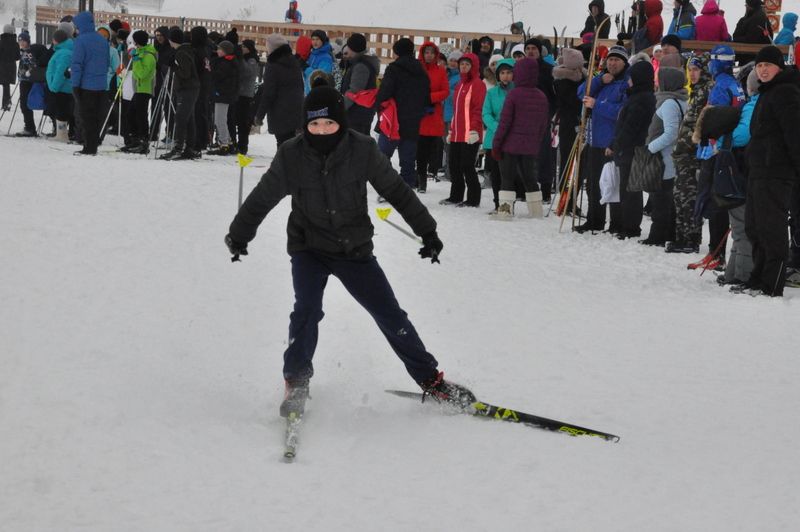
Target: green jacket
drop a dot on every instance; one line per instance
(143, 68)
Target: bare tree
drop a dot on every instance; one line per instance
(453, 7)
(510, 6)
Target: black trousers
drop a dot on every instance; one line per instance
(366, 282)
(138, 118)
(62, 105)
(280, 138)
(626, 216)
(185, 126)
(461, 160)
(546, 165)
(6, 94)
(766, 221)
(794, 210)
(493, 168)
(92, 104)
(592, 161)
(202, 126)
(515, 168)
(718, 219)
(663, 214)
(360, 119)
(242, 121)
(426, 148)
(27, 115)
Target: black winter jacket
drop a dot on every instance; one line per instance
(185, 66)
(9, 55)
(225, 76)
(407, 82)
(282, 92)
(754, 28)
(592, 23)
(774, 149)
(330, 212)
(636, 114)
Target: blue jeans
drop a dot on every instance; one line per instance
(407, 149)
(366, 282)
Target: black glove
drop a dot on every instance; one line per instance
(431, 247)
(235, 248)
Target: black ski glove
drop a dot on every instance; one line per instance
(431, 247)
(235, 248)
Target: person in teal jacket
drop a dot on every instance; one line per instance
(143, 69)
(492, 106)
(59, 83)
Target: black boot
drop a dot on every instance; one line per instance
(448, 392)
(294, 400)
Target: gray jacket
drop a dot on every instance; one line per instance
(248, 72)
(330, 213)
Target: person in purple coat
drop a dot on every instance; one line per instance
(523, 123)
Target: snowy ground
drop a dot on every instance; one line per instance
(141, 371)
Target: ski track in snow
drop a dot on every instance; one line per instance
(142, 371)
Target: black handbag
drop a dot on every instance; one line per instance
(647, 171)
(729, 183)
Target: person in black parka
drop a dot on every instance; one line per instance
(773, 157)
(326, 171)
(166, 56)
(408, 84)
(631, 131)
(9, 55)
(282, 92)
(597, 14)
(204, 49)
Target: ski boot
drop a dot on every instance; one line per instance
(447, 392)
(294, 399)
(224, 149)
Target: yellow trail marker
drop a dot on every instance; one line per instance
(244, 160)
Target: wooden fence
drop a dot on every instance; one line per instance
(379, 40)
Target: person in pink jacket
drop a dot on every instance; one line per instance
(710, 25)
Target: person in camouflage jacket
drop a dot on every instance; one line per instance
(687, 228)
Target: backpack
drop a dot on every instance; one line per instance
(728, 183)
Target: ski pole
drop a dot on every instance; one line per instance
(116, 97)
(155, 119)
(13, 116)
(9, 100)
(383, 214)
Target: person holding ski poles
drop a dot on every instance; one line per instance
(325, 170)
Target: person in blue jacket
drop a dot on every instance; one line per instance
(89, 75)
(321, 57)
(607, 95)
(59, 84)
(682, 23)
(786, 35)
(454, 76)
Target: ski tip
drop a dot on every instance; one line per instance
(289, 456)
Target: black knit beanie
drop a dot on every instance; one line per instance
(771, 54)
(176, 35)
(403, 47)
(321, 35)
(324, 102)
(672, 40)
(141, 37)
(357, 43)
(536, 42)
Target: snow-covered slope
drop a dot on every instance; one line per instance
(141, 371)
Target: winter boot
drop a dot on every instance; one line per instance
(294, 399)
(505, 211)
(62, 133)
(448, 392)
(143, 147)
(224, 149)
(175, 154)
(26, 133)
(681, 247)
(534, 201)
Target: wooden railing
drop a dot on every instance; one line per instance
(379, 40)
(706, 46)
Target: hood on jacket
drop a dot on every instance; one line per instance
(199, 37)
(710, 8)
(66, 45)
(642, 77)
(476, 66)
(653, 8)
(324, 49)
(790, 21)
(670, 79)
(84, 22)
(598, 3)
(526, 73)
(422, 51)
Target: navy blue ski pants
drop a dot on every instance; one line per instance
(366, 282)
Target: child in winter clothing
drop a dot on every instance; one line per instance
(9, 55)
(143, 71)
(321, 56)
(524, 120)
(29, 72)
(326, 171)
(786, 35)
(186, 89)
(492, 107)
(225, 77)
(466, 129)
(247, 90)
(711, 25)
(59, 84)
(671, 104)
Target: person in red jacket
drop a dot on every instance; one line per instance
(431, 128)
(654, 24)
(466, 130)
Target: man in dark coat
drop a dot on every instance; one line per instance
(361, 74)
(186, 88)
(597, 14)
(9, 55)
(773, 157)
(282, 92)
(325, 171)
(753, 28)
(166, 56)
(204, 49)
(407, 83)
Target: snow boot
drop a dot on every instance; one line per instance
(681, 247)
(142, 148)
(447, 392)
(26, 133)
(62, 131)
(294, 398)
(505, 211)
(224, 149)
(534, 201)
(175, 154)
